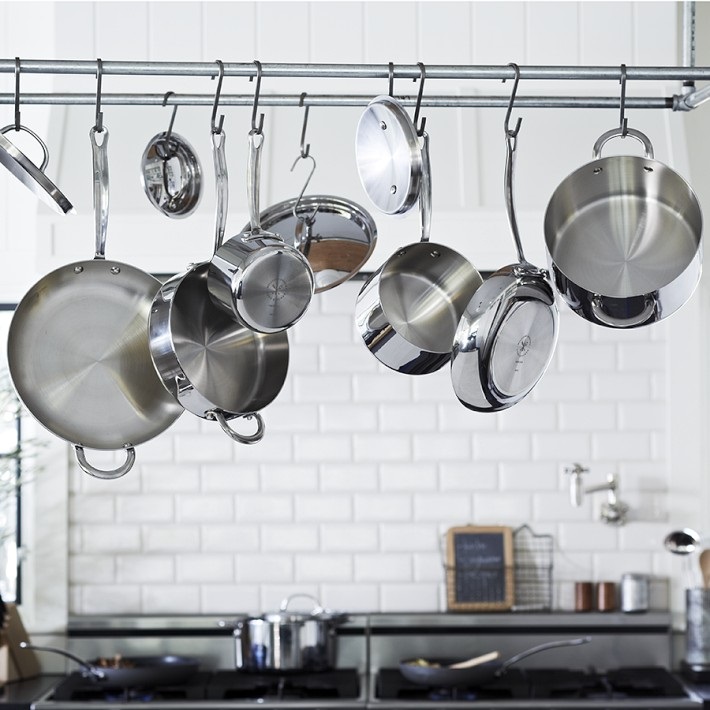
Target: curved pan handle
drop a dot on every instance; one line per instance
(122, 470)
(603, 317)
(542, 647)
(620, 133)
(425, 190)
(87, 670)
(258, 435)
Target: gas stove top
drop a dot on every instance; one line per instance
(648, 687)
(558, 689)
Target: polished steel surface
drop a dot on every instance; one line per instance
(79, 358)
(206, 359)
(388, 156)
(407, 312)
(256, 277)
(29, 174)
(171, 175)
(337, 241)
(623, 238)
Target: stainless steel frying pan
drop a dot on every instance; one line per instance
(507, 335)
(78, 348)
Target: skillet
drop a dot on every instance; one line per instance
(441, 675)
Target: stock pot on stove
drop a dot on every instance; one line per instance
(288, 640)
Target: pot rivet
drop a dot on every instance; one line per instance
(383, 125)
(393, 189)
(115, 270)
(648, 169)
(434, 253)
(78, 269)
(597, 170)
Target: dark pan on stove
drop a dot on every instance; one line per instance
(438, 672)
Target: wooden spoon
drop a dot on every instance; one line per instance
(485, 658)
(705, 567)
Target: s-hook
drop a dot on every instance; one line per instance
(506, 124)
(420, 128)
(168, 153)
(623, 122)
(17, 94)
(99, 123)
(256, 130)
(217, 128)
(305, 153)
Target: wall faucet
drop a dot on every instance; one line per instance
(613, 512)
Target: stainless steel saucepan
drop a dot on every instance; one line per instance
(407, 312)
(256, 277)
(623, 238)
(215, 367)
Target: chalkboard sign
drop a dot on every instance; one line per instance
(479, 568)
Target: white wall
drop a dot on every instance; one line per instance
(362, 469)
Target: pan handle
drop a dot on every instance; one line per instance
(99, 152)
(542, 647)
(603, 317)
(122, 470)
(87, 670)
(622, 133)
(221, 186)
(240, 438)
(425, 190)
(256, 141)
(45, 150)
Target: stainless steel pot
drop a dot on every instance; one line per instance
(623, 238)
(215, 367)
(255, 277)
(408, 310)
(288, 640)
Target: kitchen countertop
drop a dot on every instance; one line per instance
(19, 694)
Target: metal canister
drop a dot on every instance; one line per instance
(634, 592)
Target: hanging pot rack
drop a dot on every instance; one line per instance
(690, 97)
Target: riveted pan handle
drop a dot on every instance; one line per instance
(221, 186)
(122, 470)
(99, 153)
(258, 435)
(256, 141)
(425, 190)
(622, 133)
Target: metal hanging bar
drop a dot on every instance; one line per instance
(357, 71)
(429, 101)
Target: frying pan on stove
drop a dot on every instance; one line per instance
(130, 671)
(438, 672)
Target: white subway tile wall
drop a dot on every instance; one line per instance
(350, 499)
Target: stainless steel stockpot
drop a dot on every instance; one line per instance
(623, 238)
(288, 640)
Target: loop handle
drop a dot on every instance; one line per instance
(603, 317)
(45, 150)
(122, 470)
(258, 435)
(317, 608)
(620, 133)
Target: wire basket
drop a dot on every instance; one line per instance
(532, 570)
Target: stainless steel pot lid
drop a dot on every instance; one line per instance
(171, 175)
(388, 156)
(336, 235)
(29, 174)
